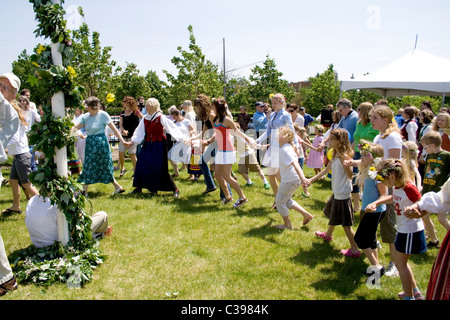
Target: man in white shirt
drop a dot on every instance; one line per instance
(42, 225)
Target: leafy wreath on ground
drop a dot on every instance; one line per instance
(74, 263)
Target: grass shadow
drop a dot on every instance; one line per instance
(324, 251)
(253, 212)
(264, 232)
(343, 277)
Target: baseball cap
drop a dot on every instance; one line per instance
(259, 104)
(13, 79)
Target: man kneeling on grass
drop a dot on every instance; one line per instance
(41, 222)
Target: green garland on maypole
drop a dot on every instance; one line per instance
(73, 263)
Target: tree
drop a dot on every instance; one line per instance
(158, 88)
(92, 63)
(238, 93)
(267, 80)
(196, 74)
(24, 69)
(324, 89)
(129, 82)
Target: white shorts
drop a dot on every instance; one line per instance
(225, 157)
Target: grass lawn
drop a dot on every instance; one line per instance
(193, 248)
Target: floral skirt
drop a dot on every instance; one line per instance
(98, 163)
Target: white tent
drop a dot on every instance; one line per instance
(416, 73)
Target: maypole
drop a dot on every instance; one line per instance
(59, 110)
(73, 257)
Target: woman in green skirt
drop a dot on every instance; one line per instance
(98, 163)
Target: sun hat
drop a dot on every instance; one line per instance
(13, 79)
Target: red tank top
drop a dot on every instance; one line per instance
(223, 137)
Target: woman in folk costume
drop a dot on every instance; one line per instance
(152, 170)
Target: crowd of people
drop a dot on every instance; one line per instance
(382, 167)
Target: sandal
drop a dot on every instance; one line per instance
(123, 172)
(323, 236)
(306, 221)
(10, 211)
(350, 253)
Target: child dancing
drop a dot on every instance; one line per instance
(291, 178)
(372, 190)
(410, 239)
(339, 207)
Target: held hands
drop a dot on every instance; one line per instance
(348, 163)
(320, 147)
(307, 182)
(371, 207)
(252, 143)
(128, 144)
(413, 212)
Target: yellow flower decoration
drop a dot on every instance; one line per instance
(40, 49)
(71, 71)
(380, 178)
(35, 64)
(110, 97)
(271, 95)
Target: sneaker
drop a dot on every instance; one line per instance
(209, 190)
(8, 286)
(391, 270)
(323, 236)
(417, 295)
(431, 245)
(379, 245)
(266, 186)
(350, 253)
(374, 269)
(240, 202)
(225, 201)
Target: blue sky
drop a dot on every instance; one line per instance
(303, 37)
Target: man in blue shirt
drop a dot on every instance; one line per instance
(259, 119)
(348, 120)
(259, 123)
(308, 118)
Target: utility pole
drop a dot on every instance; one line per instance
(224, 72)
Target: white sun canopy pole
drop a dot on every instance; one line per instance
(59, 110)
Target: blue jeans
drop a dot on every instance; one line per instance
(207, 156)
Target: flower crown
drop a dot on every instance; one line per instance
(364, 148)
(384, 173)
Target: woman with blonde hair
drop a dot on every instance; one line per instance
(382, 119)
(441, 124)
(364, 130)
(278, 118)
(152, 167)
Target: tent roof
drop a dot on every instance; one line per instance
(416, 73)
